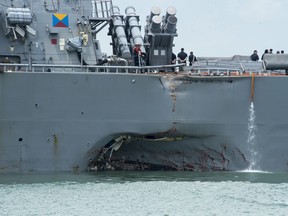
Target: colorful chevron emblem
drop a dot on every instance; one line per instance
(60, 20)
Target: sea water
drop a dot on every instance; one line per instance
(145, 193)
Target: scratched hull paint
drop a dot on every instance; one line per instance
(63, 121)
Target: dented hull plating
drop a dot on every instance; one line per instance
(63, 121)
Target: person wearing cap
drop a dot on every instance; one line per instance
(254, 56)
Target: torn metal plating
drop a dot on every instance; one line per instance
(152, 152)
(103, 160)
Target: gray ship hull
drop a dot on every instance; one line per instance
(62, 121)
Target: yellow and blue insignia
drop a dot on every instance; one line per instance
(60, 20)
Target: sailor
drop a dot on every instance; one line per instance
(192, 58)
(173, 61)
(270, 51)
(138, 55)
(254, 56)
(182, 56)
(265, 52)
(173, 58)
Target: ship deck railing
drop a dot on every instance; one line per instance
(9, 67)
(195, 69)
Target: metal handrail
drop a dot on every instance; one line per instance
(8, 67)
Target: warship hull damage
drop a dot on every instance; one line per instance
(172, 122)
(200, 139)
(182, 147)
(131, 153)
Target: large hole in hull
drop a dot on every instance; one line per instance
(153, 152)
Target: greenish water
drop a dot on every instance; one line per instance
(123, 177)
(145, 193)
